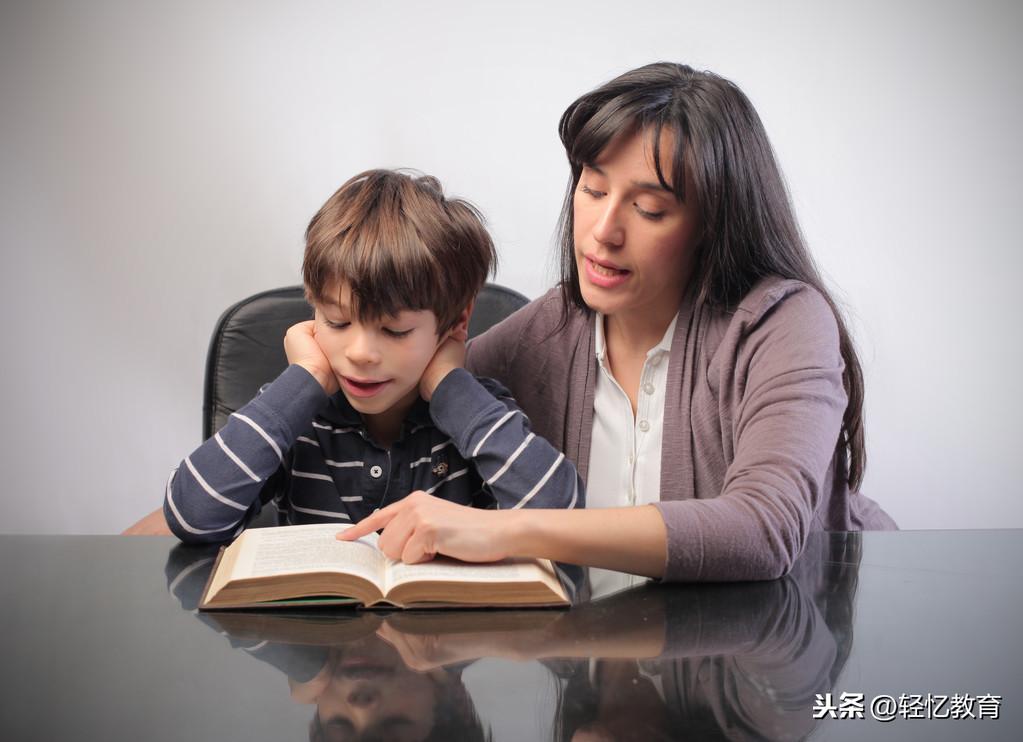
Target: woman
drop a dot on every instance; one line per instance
(690, 363)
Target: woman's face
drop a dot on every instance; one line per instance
(634, 242)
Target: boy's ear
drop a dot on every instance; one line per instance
(462, 323)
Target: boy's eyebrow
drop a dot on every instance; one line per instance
(327, 301)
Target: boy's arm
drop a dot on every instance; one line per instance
(520, 468)
(210, 493)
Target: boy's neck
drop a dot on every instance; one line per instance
(385, 427)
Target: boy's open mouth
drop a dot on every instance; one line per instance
(360, 388)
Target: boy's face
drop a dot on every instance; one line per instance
(378, 363)
(372, 692)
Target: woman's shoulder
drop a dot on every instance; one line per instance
(547, 315)
(527, 330)
(777, 317)
(536, 322)
(793, 307)
(773, 292)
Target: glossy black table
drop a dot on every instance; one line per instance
(101, 640)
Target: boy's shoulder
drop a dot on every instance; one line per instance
(495, 387)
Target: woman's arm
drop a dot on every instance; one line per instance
(420, 526)
(778, 379)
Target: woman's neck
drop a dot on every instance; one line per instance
(627, 343)
(632, 334)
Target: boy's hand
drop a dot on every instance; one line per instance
(302, 350)
(449, 356)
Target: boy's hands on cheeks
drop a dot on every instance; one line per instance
(301, 348)
(449, 356)
(420, 526)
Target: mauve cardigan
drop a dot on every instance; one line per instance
(749, 460)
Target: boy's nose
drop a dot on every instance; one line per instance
(364, 696)
(363, 349)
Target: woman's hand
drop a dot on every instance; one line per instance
(153, 524)
(423, 652)
(420, 526)
(629, 539)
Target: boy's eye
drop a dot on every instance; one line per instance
(336, 325)
(397, 333)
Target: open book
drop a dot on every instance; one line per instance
(307, 565)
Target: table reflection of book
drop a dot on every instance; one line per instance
(739, 661)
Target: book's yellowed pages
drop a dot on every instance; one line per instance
(296, 550)
(452, 573)
(296, 563)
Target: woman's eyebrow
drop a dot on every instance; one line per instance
(646, 185)
(643, 185)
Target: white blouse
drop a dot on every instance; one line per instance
(625, 450)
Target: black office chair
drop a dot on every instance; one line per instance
(247, 346)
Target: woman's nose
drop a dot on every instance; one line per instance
(608, 229)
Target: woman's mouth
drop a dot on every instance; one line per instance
(363, 387)
(603, 274)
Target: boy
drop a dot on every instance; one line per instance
(374, 403)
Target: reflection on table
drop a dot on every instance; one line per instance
(646, 662)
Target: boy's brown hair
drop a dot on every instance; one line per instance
(398, 244)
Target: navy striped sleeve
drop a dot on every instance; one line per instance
(212, 490)
(520, 468)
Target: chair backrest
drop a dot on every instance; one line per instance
(247, 346)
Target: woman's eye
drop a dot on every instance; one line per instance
(652, 215)
(397, 333)
(591, 192)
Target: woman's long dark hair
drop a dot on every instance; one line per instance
(749, 230)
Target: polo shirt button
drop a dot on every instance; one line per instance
(375, 472)
(644, 425)
(648, 388)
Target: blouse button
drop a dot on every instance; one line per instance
(648, 388)
(644, 425)
(656, 360)
(375, 472)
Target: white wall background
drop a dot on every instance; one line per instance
(159, 161)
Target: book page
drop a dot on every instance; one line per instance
(305, 549)
(443, 569)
